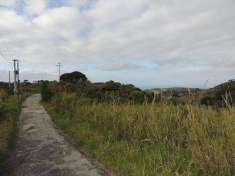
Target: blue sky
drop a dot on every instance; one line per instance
(149, 43)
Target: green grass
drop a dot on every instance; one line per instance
(150, 140)
(9, 111)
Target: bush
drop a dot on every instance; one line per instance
(137, 96)
(3, 95)
(207, 101)
(46, 92)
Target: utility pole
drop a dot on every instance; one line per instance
(59, 70)
(9, 80)
(16, 76)
(18, 73)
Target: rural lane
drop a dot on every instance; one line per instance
(41, 150)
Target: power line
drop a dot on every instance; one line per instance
(9, 80)
(4, 57)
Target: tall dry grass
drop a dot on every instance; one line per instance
(160, 139)
(9, 111)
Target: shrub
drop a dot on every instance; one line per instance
(137, 96)
(207, 101)
(46, 92)
(3, 95)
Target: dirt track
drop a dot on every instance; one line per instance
(42, 151)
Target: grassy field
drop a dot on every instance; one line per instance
(149, 140)
(9, 111)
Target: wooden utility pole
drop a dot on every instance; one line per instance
(9, 80)
(59, 70)
(16, 76)
(18, 73)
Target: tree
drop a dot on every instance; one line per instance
(73, 77)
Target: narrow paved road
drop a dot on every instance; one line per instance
(42, 151)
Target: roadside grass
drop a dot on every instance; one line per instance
(9, 111)
(140, 140)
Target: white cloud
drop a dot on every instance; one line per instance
(110, 36)
(7, 2)
(77, 3)
(35, 7)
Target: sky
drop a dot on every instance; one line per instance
(148, 43)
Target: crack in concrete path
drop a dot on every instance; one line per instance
(42, 151)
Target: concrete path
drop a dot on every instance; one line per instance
(42, 151)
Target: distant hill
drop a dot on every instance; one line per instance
(218, 95)
(229, 85)
(179, 91)
(221, 93)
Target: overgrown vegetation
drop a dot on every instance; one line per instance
(9, 111)
(137, 133)
(101, 92)
(147, 139)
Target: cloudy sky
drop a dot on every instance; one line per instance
(149, 43)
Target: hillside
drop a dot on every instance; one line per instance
(175, 90)
(229, 84)
(218, 95)
(221, 94)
